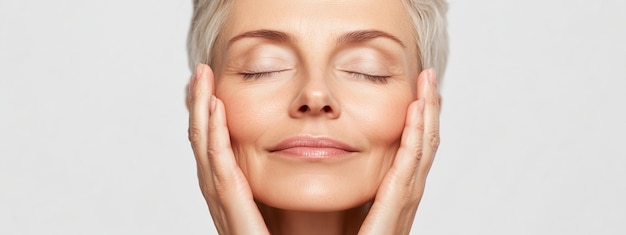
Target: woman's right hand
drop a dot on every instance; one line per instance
(222, 182)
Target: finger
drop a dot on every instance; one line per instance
(431, 138)
(188, 94)
(188, 91)
(229, 180)
(221, 157)
(220, 151)
(200, 93)
(410, 150)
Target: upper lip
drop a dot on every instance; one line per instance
(311, 142)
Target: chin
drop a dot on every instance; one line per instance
(316, 186)
(314, 195)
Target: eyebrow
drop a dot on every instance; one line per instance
(272, 35)
(347, 38)
(366, 35)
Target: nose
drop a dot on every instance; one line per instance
(315, 99)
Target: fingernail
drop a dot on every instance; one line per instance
(432, 77)
(425, 83)
(199, 69)
(213, 104)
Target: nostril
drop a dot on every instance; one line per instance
(303, 108)
(327, 109)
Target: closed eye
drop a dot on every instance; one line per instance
(248, 76)
(374, 78)
(258, 75)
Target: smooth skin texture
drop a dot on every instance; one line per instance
(228, 194)
(294, 73)
(299, 72)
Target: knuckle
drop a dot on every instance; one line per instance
(420, 126)
(418, 150)
(212, 151)
(194, 134)
(415, 150)
(435, 139)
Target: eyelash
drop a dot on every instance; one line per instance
(248, 76)
(373, 78)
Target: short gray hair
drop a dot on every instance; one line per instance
(428, 16)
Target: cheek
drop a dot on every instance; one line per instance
(249, 114)
(380, 121)
(241, 126)
(381, 118)
(385, 122)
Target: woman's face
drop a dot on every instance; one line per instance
(316, 94)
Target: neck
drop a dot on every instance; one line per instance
(287, 222)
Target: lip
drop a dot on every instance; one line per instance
(312, 148)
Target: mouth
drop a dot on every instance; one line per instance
(312, 148)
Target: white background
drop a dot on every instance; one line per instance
(93, 124)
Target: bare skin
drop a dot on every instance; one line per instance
(344, 71)
(230, 199)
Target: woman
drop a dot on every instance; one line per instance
(315, 117)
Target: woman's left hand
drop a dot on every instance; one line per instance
(402, 188)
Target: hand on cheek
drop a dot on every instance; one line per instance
(402, 188)
(223, 185)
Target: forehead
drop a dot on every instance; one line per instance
(319, 18)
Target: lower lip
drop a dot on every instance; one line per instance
(314, 153)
